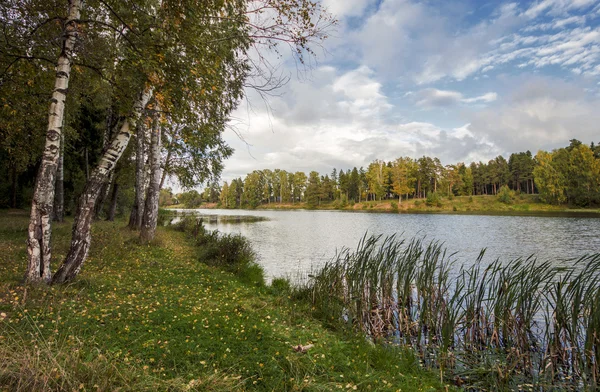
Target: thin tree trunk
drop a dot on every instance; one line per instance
(167, 162)
(81, 237)
(104, 192)
(113, 202)
(151, 207)
(59, 189)
(39, 233)
(135, 218)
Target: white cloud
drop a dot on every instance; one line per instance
(556, 7)
(418, 42)
(343, 8)
(376, 98)
(432, 97)
(544, 113)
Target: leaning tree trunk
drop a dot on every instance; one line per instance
(151, 208)
(39, 251)
(135, 218)
(59, 189)
(108, 133)
(81, 237)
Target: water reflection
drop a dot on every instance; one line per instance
(293, 243)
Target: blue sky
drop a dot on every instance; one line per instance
(460, 80)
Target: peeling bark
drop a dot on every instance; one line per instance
(39, 251)
(151, 206)
(81, 237)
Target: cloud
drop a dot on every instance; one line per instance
(445, 79)
(420, 43)
(432, 97)
(544, 113)
(556, 7)
(344, 8)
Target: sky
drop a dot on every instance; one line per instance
(461, 80)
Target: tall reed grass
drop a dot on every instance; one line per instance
(515, 325)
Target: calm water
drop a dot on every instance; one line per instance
(292, 243)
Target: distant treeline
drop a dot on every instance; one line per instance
(566, 175)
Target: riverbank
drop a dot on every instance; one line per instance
(484, 204)
(157, 318)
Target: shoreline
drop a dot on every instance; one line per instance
(526, 205)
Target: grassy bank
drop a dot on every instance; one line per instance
(516, 325)
(157, 318)
(519, 204)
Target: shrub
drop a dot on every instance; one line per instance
(395, 205)
(231, 252)
(505, 195)
(433, 199)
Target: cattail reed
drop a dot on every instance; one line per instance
(522, 324)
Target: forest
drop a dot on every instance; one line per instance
(569, 175)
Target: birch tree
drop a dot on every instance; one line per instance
(150, 215)
(39, 251)
(81, 240)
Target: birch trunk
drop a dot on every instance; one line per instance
(107, 137)
(151, 206)
(135, 219)
(59, 189)
(39, 232)
(81, 237)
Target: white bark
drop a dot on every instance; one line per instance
(81, 240)
(39, 232)
(150, 217)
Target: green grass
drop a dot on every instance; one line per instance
(156, 318)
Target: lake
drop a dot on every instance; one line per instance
(294, 243)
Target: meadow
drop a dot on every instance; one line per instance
(165, 317)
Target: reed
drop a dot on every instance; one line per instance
(499, 325)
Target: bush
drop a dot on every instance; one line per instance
(231, 252)
(505, 195)
(433, 199)
(451, 196)
(395, 205)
